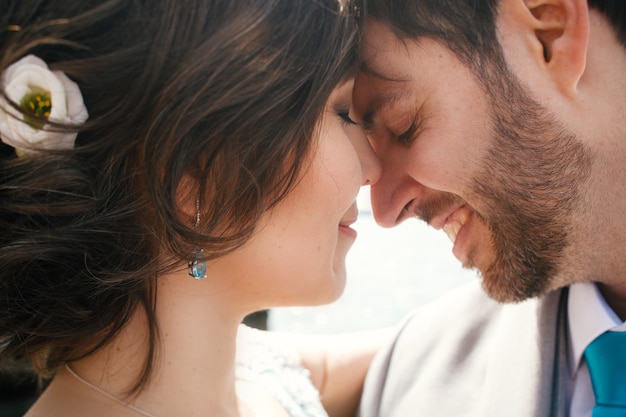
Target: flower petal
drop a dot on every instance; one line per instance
(31, 75)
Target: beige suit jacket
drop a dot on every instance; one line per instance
(466, 355)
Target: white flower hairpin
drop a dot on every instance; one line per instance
(50, 95)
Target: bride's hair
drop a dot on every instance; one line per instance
(209, 99)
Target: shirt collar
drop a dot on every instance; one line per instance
(589, 316)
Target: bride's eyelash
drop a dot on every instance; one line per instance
(345, 116)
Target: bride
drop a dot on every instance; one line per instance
(167, 168)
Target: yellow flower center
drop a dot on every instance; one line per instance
(38, 106)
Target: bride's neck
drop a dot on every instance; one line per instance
(193, 372)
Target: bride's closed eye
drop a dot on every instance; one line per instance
(345, 116)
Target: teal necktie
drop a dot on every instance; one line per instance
(606, 360)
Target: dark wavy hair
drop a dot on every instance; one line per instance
(209, 99)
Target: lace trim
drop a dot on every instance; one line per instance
(279, 371)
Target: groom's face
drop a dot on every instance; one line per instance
(496, 178)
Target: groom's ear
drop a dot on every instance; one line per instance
(557, 34)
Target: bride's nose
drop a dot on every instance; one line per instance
(370, 164)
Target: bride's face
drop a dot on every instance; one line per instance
(297, 255)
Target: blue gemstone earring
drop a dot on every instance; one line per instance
(197, 265)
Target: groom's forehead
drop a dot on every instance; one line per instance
(382, 52)
(386, 56)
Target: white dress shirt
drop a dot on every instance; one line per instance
(588, 316)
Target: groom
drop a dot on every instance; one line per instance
(501, 122)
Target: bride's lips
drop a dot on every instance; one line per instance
(346, 229)
(348, 220)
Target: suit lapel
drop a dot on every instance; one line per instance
(559, 406)
(522, 369)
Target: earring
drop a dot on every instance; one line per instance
(197, 265)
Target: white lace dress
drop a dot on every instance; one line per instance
(261, 361)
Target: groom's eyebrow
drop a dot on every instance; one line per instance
(372, 71)
(379, 102)
(382, 100)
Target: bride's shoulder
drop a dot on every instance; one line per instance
(275, 368)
